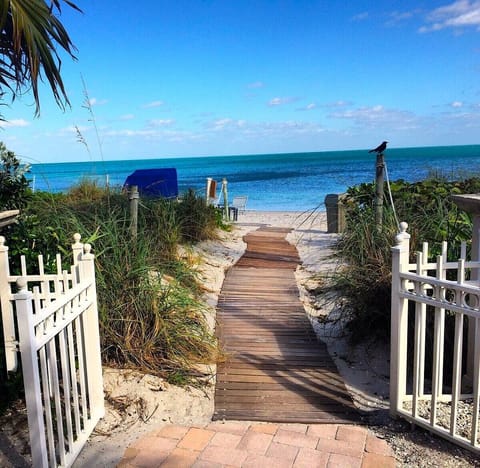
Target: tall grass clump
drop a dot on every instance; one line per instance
(151, 315)
(364, 281)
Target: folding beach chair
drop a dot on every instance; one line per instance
(240, 203)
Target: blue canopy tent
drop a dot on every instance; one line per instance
(154, 182)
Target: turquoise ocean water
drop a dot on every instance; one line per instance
(279, 182)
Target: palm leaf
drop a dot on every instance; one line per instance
(30, 36)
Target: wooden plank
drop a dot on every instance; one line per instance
(275, 369)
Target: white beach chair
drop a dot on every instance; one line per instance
(240, 203)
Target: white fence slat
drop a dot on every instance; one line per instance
(457, 372)
(73, 378)
(476, 384)
(81, 370)
(31, 374)
(46, 401)
(67, 399)
(52, 366)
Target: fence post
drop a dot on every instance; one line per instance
(225, 199)
(134, 198)
(207, 190)
(11, 360)
(93, 358)
(77, 251)
(399, 320)
(379, 181)
(31, 375)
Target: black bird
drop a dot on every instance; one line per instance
(380, 148)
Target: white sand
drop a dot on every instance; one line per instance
(149, 402)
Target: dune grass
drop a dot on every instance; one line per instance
(364, 282)
(151, 314)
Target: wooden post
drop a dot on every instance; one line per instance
(379, 180)
(225, 199)
(134, 198)
(207, 190)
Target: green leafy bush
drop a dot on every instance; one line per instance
(365, 280)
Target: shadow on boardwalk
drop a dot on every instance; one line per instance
(276, 370)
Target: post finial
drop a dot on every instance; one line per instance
(22, 284)
(77, 237)
(87, 248)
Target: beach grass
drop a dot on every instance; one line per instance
(151, 314)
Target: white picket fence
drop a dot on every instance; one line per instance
(435, 376)
(58, 338)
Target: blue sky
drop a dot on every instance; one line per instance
(220, 77)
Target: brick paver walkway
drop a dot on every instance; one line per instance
(260, 445)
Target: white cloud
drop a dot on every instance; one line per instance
(340, 103)
(161, 122)
(14, 123)
(153, 104)
(377, 116)
(308, 107)
(361, 16)
(456, 104)
(256, 84)
(278, 101)
(96, 102)
(126, 117)
(462, 13)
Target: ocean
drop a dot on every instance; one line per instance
(273, 182)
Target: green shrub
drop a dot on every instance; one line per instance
(365, 280)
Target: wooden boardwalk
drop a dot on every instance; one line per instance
(275, 370)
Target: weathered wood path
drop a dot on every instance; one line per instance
(276, 370)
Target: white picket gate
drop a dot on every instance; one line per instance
(58, 338)
(433, 385)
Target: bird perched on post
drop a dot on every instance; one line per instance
(380, 148)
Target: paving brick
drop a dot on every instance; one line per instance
(150, 458)
(264, 427)
(180, 458)
(225, 456)
(282, 452)
(255, 442)
(130, 453)
(232, 427)
(158, 443)
(206, 464)
(378, 446)
(256, 461)
(309, 458)
(196, 439)
(122, 464)
(374, 460)
(323, 431)
(172, 432)
(302, 428)
(295, 438)
(352, 434)
(225, 439)
(340, 447)
(343, 461)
